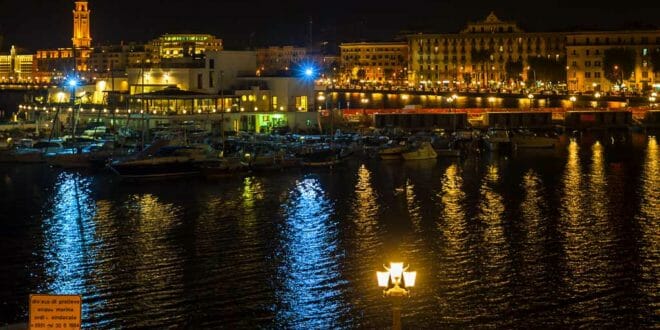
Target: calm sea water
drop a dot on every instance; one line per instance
(562, 238)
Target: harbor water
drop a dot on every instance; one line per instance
(559, 238)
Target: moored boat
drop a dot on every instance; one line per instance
(163, 161)
(424, 151)
(527, 139)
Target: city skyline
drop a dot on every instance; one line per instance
(275, 24)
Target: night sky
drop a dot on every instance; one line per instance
(35, 24)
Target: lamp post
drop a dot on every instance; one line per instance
(396, 282)
(530, 96)
(529, 68)
(573, 99)
(596, 97)
(616, 70)
(651, 101)
(73, 83)
(323, 98)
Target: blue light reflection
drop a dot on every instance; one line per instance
(310, 275)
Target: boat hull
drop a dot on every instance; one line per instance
(425, 151)
(155, 170)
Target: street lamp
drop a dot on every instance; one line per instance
(616, 70)
(491, 101)
(396, 282)
(573, 99)
(651, 101)
(530, 96)
(322, 98)
(529, 68)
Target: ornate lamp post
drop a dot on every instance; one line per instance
(396, 283)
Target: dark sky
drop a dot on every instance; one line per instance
(35, 24)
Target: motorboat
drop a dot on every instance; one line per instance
(222, 167)
(497, 139)
(164, 160)
(321, 156)
(392, 151)
(33, 153)
(528, 139)
(91, 156)
(423, 151)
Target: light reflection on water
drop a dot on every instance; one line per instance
(649, 221)
(310, 276)
(69, 232)
(567, 241)
(495, 263)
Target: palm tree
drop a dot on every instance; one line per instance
(480, 57)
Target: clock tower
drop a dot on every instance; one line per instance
(81, 37)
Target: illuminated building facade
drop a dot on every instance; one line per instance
(586, 60)
(448, 58)
(56, 62)
(16, 67)
(117, 58)
(81, 15)
(184, 45)
(374, 61)
(284, 58)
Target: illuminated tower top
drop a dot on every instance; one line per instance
(81, 37)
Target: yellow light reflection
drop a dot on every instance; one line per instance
(496, 262)
(366, 210)
(159, 269)
(534, 233)
(649, 218)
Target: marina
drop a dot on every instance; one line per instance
(302, 244)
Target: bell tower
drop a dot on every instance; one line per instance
(81, 37)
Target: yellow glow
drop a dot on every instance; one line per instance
(383, 279)
(101, 85)
(396, 270)
(409, 279)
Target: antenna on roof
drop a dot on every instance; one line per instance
(311, 34)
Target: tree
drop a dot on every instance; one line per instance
(547, 68)
(655, 60)
(479, 57)
(513, 69)
(361, 74)
(618, 64)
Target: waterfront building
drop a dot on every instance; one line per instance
(183, 45)
(279, 58)
(478, 54)
(215, 72)
(56, 62)
(374, 61)
(586, 60)
(108, 59)
(16, 67)
(274, 93)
